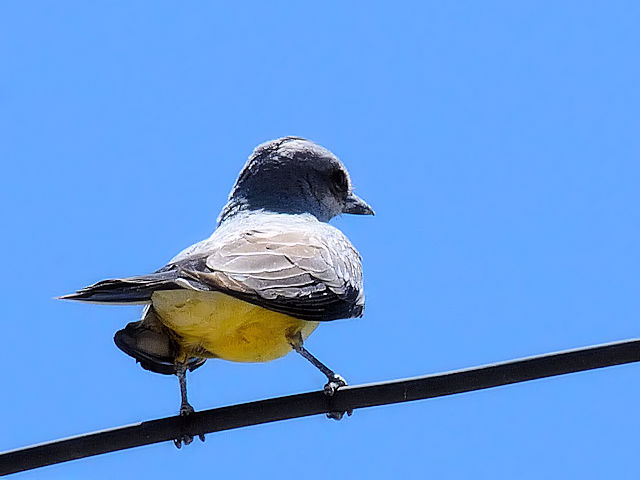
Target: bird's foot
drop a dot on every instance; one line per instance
(185, 410)
(335, 382)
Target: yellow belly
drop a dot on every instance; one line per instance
(212, 324)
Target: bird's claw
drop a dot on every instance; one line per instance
(186, 410)
(186, 440)
(336, 382)
(182, 440)
(338, 415)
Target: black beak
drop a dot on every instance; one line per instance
(357, 206)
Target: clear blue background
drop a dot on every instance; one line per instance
(497, 141)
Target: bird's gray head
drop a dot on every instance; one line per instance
(294, 175)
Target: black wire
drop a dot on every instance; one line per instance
(313, 403)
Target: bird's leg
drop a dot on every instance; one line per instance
(185, 406)
(335, 381)
(181, 373)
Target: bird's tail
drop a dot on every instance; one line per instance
(152, 345)
(132, 290)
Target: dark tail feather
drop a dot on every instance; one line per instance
(130, 290)
(151, 346)
(149, 343)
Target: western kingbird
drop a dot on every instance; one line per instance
(262, 282)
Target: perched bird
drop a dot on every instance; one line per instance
(262, 282)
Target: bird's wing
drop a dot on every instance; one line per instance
(309, 271)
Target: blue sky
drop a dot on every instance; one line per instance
(497, 141)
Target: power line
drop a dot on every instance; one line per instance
(313, 403)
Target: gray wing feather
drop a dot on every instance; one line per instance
(290, 264)
(309, 271)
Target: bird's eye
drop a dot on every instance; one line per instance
(339, 180)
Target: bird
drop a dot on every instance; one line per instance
(270, 273)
